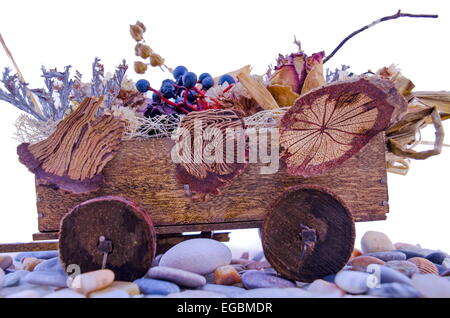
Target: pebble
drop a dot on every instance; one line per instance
(51, 264)
(395, 290)
(400, 245)
(178, 276)
(65, 293)
(355, 253)
(353, 282)
(322, 288)
(418, 250)
(10, 280)
(330, 278)
(436, 258)
(446, 263)
(256, 279)
(44, 278)
(410, 254)
(2, 277)
(360, 263)
(117, 287)
(156, 286)
(196, 294)
(389, 275)
(446, 273)
(373, 241)
(275, 293)
(199, 256)
(431, 286)
(388, 256)
(39, 254)
(29, 263)
(5, 261)
(156, 260)
(91, 281)
(405, 267)
(424, 265)
(258, 256)
(258, 265)
(229, 291)
(226, 275)
(28, 293)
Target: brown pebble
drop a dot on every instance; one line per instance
(424, 265)
(226, 275)
(240, 261)
(360, 263)
(355, 253)
(5, 261)
(29, 263)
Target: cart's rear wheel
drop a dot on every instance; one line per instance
(308, 233)
(108, 232)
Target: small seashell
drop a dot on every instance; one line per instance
(140, 67)
(424, 265)
(29, 263)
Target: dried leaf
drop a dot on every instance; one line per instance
(258, 92)
(283, 95)
(329, 125)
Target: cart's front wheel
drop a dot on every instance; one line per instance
(309, 233)
(108, 232)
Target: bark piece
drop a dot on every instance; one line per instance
(201, 135)
(72, 158)
(308, 214)
(125, 226)
(329, 125)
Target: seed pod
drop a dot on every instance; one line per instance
(140, 67)
(141, 25)
(146, 51)
(156, 60)
(136, 32)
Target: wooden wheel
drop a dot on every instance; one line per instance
(108, 232)
(308, 234)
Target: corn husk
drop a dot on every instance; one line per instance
(257, 91)
(283, 95)
(403, 134)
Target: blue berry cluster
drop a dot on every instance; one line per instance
(180, 94)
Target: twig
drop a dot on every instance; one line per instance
(391, 17)
(37, 109)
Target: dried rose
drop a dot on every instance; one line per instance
(136, 32)
(156, 60)
(143, 50)
(293, 69)
(140, 67)
(314, 72)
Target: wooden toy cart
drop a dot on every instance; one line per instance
(307, 229)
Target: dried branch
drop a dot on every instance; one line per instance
(399, 14)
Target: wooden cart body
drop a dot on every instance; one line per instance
(143, 171)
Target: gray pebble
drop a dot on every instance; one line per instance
(178, 276)
(257, 279)
(388, 256)
(11, 280)
(156, 286)
(44, 278)
(395, 290)
(38, 254)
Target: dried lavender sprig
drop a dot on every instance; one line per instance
(115, 82)
(18, 94)
(333, 76)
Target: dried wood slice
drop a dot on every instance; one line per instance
(329, 125)
(72, 158)
(201, 148)
(111, 225)
(308, 234)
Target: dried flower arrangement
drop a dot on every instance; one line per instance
(325, 116)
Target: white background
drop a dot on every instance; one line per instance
(220, 36)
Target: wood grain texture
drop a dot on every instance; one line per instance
(315, 208)
(28, 246)
(126, 229)
(143, 172)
